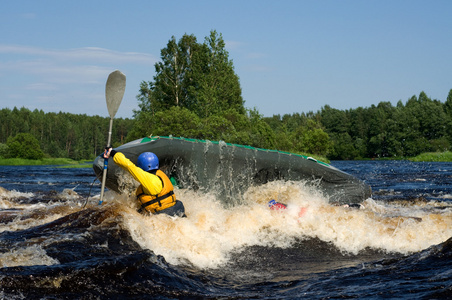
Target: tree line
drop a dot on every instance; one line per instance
(196, 93)
(57, 134)
(408, 129)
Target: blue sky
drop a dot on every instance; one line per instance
(290, 56)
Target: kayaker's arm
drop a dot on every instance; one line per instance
(152, 184)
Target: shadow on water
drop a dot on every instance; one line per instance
(300, 261)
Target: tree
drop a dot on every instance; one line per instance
(63, 134)
(343, 147)
(3, 150)
(176, 121)
(199, 77)
(448, 110)
(317, 141)
(334, 120)
(193, 79)
(24, 145)
(448, 104)
(309, 137)
(217, 127)
(216, 87)
(261, 135)
(172, 80)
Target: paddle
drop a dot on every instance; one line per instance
(114, 91)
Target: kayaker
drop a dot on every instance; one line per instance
(156, 192)
(273, 205)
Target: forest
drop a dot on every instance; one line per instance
(196, 93)
(383, 131)
(405, 130)
(58, 134)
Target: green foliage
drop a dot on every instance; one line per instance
(230, 126)
(381, 131)
(217, 128)
(196, 94)
(317, 141)
(214, 86)
(300, 133)
(64, 162)
(343, 147)
(63, 134)
(421, 125)
(24, 145)
(310, 137)
(195, 76)
(3, 150)
(433, 156)
(261, 135)
(176, 121)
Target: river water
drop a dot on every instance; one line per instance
(397, 245)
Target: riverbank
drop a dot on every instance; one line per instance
(69, 163)
(433, 156)
(63, 162)
(424, 157)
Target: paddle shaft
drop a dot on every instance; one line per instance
(104, 174)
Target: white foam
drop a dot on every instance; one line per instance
(13, 194)
(27, 256)
(69, 194)
(7, 200)
(29, 222)
(211, 232)
(29, 215)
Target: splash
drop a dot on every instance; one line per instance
(7, 197)
(211, 232)
(16, 214)
(27, 256)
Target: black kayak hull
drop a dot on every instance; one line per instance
(228, 170)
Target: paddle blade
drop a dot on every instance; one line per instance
(114, 91)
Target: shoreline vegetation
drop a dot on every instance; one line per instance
(433, 156)
(60, 162)
(70, 163)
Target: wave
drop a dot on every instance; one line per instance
(212, 232)
(217, 251)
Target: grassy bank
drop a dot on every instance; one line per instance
(69, 163)
(317, 157)
(433, 156)
(63, 162)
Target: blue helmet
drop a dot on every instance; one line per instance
(148, 161)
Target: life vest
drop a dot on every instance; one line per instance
(161, 201)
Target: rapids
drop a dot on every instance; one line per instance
(52, 247)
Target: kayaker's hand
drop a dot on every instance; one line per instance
(107, 152)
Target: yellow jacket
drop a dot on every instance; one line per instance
(153, 187)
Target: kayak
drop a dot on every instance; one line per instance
(228, 170)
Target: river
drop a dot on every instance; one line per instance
(397, 245)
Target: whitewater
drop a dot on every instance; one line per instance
(396, 244)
